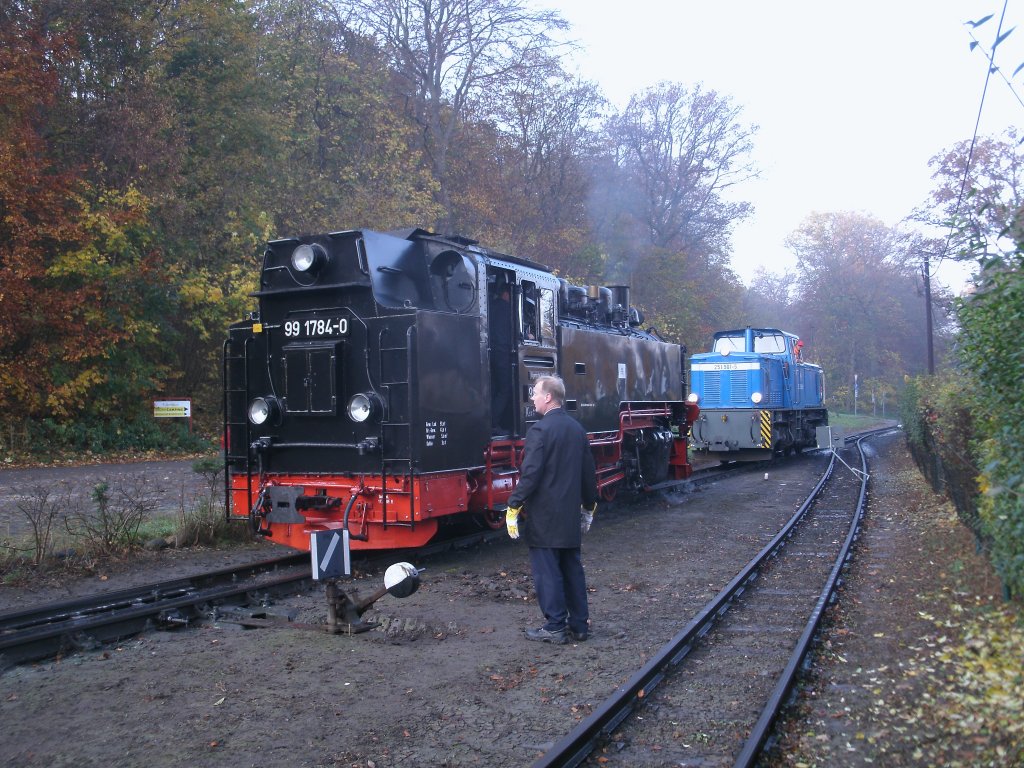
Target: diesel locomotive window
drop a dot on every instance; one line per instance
(763, 344)
(769, 345)
(726, 344)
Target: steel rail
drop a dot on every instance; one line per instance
(574, 747)
(762, 728)
(47, 631)
(49, 612)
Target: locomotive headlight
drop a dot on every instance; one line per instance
(693, 397)
(263, 409)
(362, 407)
(756, 397)
(308, 258)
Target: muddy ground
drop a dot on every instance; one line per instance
(448, 679)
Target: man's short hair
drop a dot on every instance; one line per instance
(552, 385)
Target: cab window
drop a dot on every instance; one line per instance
(547, 316)
(529, 312)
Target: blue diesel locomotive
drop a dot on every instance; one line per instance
(757, 397)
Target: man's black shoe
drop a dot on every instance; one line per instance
(578, 637)
(547, 636)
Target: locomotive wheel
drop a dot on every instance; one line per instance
(492, 518)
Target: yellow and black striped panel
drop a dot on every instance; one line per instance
(766, 429)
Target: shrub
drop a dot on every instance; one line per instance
(111, 527)
(940, 428)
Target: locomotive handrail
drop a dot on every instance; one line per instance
(308, 289)
(362, 445)
(629, 411)
(226, 357)
(609, 438)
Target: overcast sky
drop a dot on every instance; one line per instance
(852, 98)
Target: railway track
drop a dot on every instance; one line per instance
(644, 721)
(54, 629)
(49, 630)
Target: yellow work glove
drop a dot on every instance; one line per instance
(587, 518)
(512, 521)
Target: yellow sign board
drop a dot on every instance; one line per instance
(172, 409)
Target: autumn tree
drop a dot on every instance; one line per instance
(76, 262)
(448, 53)
(548, 129)
(347, 156)
(858, 299)
(675, 152)
(768, 302)
(978, 197)
(682, 148)
(33, 195)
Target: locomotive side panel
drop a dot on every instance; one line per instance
(810, 387)
(313, 382)
(604, 370)
(452, 423)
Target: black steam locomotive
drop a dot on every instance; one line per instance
(383, 386)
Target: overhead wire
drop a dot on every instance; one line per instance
(977, 123)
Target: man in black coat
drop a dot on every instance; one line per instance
(557, 496)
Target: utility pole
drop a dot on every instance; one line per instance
(928, 313)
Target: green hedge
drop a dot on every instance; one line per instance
(992, 350)
(966, 427)
(940, 429)
(48, 438)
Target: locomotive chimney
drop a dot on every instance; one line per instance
(620, 297)
(620, 304)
